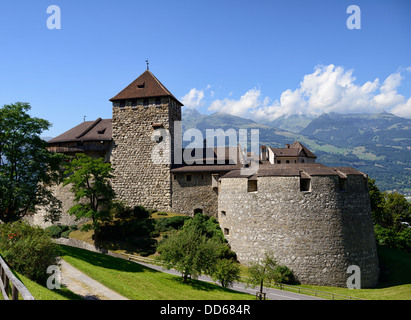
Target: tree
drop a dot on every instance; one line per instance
(188, 252)
(93, 194)
(226, 271)
(198, 248)
(27, 168)
(398, 209)
(265, 271)
(377, 203)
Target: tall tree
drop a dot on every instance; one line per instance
(27, 168)
(90, 182)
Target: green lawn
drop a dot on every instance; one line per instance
(41, 292)
(137, 282)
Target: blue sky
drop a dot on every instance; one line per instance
(257, 59)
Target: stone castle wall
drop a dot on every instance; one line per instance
(317, 234)
(66, 197)
(138, 179)
(196, 194)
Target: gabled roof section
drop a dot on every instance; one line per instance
(300, 146)
(145, 86)
(295, 150)
(98, 130)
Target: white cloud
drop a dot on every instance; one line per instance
(193, 99)
(327, 89)
(247, 102)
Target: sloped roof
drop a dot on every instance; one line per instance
(100, 129)
(206, 160)
(145, 86)
(304, 170)
(295, 150)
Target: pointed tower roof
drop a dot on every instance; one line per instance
(145, 86)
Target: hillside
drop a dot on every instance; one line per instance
(377, 144)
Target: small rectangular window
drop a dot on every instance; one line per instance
(305, 184)
(252, 186)
(223, 213)
(188, 177)
(226, 232)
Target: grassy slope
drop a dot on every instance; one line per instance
(395, 278)
(137, 282)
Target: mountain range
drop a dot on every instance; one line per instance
(377, 144)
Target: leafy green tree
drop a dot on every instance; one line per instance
(398, 209)
(90, 182)
(265, 271)
(189, 252)
(198, 248)
(27, 168)
(226, 271)
(377, 204)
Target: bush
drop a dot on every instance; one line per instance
(58, 231)
(166, 224)
(28, 250)
(286, 276)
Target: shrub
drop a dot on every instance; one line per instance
(28, 250)
(166, 224)
(286, 276)
(57, 231)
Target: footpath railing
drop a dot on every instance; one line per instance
(10, 285)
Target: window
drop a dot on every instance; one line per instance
(278, 161)
(223, 213)
(158, 101)
(122, 104)
(226, 232)
(305, 184)
(188, 177)
(198, 210)
(287, 161)
(252, 186)
(145, 102)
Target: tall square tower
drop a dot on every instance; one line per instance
(139, 111)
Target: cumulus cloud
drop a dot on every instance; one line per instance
(328, 89)
(193, 99)
(247, 102)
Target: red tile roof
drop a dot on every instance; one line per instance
(145, 86)
(100, 129)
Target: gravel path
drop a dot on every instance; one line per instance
(84, 286)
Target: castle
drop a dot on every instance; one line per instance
(315, 219)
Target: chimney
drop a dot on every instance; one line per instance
(287, 146)
(263, 153)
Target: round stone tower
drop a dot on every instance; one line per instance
(314, 219)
